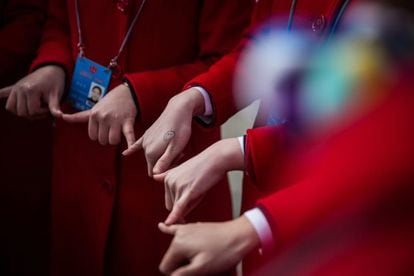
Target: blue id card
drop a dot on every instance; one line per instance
(89, 84)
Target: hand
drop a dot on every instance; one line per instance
(207, 248)
(113, 115)
(37, 93)
(160, 148)
(186, 184)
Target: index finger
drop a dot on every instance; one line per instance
(5, 92)
(133, 148)
(173, 258)
(79, 117)
(179, 210)
(128, 131)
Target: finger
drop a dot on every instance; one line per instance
(5, 92)
(134, 148)
(78, 117)
(93, 129)
(12, 103)
(115, 134)
(173, 258)
(128, 131)
(195, 267)
(43, 115)
(165, 160)
(22, 105)
(54, 105)
(40, 113)
(177, 160)
(182, 208)
(150, 164)
(103, 133)
(160, 177)
(34, 105)
(168, 229)
(169, 199)
(179, 210)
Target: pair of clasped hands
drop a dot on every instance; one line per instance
(40, 93)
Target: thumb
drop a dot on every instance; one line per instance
(193, 268)
(5, 92)
(129, 133)
(178, 211)
(168, 229)
(133, 148)
(165, 160)
(54, 104)
(79, 117)
(160, 177)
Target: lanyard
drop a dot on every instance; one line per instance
(114, 61)
(291, 14)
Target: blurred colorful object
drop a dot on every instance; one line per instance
(316, 87)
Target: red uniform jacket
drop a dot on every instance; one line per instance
(317, 17)
(20, 30)
(25, 153)
(355, 185)
(105, 207)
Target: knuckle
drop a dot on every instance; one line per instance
(128, 131)
(105, 116)
(150, 153)
(95, 114)
(24, 88)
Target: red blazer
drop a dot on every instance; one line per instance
(317, 17)
(25, 150)
(105, 208)
(20, 29)
(366, 170)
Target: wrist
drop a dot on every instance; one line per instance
(231, 154)
(191, 100)
(245, 238)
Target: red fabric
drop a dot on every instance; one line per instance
(218, 80)
(368, 163)
(25, 150)
(20, 29)
(105, 207)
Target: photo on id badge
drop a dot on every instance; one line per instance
(95, 94)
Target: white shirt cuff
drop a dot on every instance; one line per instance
(241, 142)
(208, 107)
(262, 227)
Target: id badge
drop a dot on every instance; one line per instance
(89, 84)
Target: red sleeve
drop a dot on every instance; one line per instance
(367, 160)
(55, 45)
(218, 80)
(264, 152)
(21, 23)
(220, 27)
